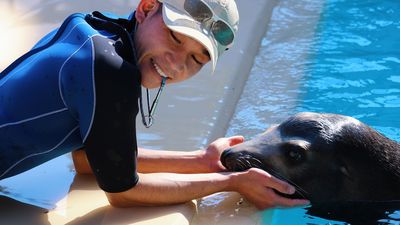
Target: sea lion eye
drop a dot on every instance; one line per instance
(294, 153)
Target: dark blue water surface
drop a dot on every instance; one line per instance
(336, 56)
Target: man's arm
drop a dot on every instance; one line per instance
(170, 188)
(166, 188)
(200, 161)
(154, 161)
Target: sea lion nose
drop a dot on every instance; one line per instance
(224, 155)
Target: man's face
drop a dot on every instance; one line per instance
(161, 51)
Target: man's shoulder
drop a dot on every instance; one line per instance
(111, 56)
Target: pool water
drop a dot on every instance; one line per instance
(331, 56)
(355, 67)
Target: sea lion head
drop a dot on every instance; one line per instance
(327, 157)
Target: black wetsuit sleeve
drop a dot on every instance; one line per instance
(111, 145)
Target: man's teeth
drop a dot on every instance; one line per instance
(159, 70)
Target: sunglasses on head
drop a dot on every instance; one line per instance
(201, 12)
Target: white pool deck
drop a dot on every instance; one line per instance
(207, 118)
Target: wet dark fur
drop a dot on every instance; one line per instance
(345, 160)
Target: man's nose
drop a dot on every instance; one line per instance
(177, 63)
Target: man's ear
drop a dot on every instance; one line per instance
(145, 8)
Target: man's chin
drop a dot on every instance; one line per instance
(150, 80)
(150, 85)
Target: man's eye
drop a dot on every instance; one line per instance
(196, 60)
(174, 37)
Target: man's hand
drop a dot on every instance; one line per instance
(257, 187)
(171, 188)
(213, 152)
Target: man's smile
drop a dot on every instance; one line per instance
(159, 70)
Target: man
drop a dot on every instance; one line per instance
(78, 89)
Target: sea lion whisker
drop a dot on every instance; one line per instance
(257, 163)
(241, 164)
(253, 162)
(248, 163)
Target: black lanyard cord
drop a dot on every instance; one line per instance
(151, 110)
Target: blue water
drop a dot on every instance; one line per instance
(350, 64)
(355, 67)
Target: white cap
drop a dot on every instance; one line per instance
(178, 19)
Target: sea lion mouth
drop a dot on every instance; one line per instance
(239, 161)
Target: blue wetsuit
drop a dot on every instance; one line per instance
(78, 87)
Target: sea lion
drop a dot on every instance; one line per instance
(327, 157)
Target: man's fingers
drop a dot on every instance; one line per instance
(280, 185)
(273, 182)
(287, 202)
(234, 140)
(226, 142)
(272, 199)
